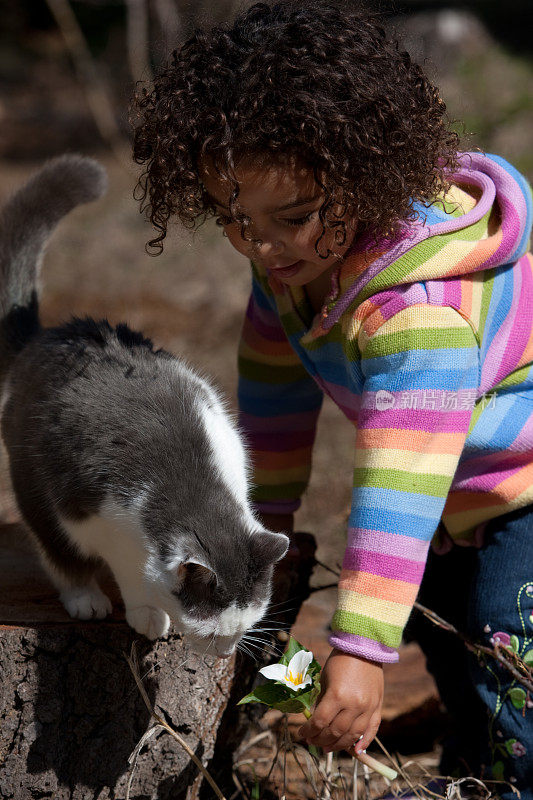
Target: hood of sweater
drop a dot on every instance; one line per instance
(484, 222)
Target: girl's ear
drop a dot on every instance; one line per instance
(269, 547)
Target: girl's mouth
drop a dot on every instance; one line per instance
(287, 272)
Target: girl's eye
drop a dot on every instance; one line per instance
(298, 220)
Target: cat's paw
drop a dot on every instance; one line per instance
(86, 602)
(151, 622)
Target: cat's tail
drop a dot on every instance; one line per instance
(26, 223)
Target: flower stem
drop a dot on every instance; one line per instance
(375, 765)
(307, 713)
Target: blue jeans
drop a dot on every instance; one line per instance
(483, 592)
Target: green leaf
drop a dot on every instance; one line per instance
(314, 669)
(515, 644)
(292, 648)
(528, 657)
(509, 745)
(268, 694)
(498, 771)
(298, 702)
(276, 695)
(291, 706)
(256, 790)
(518, 697)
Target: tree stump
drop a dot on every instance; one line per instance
(71, 713)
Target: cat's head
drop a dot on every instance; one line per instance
(217, 590)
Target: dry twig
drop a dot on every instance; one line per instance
(133, 665)
(97, 97)
(138, 40)
(509, 660)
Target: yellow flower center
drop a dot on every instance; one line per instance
(295, 679)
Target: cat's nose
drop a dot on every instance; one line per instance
(225, 654)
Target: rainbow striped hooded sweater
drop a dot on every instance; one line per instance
(427, 347)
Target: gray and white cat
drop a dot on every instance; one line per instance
(120, 453)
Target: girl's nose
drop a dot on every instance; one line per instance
(269, 248)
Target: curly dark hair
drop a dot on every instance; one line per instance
(317, 81)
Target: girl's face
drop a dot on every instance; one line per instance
(282, 202)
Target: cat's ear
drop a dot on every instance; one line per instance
(269, 547)
(193, 570)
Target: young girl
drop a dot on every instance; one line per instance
(391, 273)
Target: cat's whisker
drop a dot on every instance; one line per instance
(254, 638)
(282, 606)
(263, 647)
(249, 645)
(258, 640)
(257, 645)
(246, 651)
(265, 620)
(271, 629)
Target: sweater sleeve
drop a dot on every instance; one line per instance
(279, 403)
(421, 379)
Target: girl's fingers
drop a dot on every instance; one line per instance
(339, 726)
(350, 739)
(370, 732)
(340, 732)
(323, 715)
(335, 728)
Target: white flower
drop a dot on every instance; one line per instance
(294, 675)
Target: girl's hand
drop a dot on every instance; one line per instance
(349, 704)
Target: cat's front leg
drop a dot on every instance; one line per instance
(72, 574)
(81, 597)
(150, 621)
(142, 612)
(86, 602)
(116, 539)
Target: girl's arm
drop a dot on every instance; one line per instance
(421, 370)
(279, 405)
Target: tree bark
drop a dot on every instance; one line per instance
(71, 714)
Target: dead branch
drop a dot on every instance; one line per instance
(95, 91)
(138, 39)
(507, 658)
(170, 24)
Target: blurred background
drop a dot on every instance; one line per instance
(67, 71)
